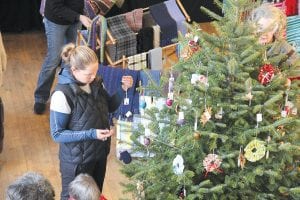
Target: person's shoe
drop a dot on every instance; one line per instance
(39, 108)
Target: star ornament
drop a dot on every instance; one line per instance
(249, 96)
(205, 117)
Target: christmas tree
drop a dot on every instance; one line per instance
(230, 127)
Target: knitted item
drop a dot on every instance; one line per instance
(125, 157)
(177, 15)
(144, 39)
(101, 6)
(134, 19)
(155, 59)
(168, 27)
(125, 38)
(137, 62)
(112, 77)
(89, 9)
(156, 36)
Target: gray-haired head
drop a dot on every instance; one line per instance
(276, 17)
(84, 187)
(30, 186)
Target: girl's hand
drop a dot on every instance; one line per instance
(127, 82)
(104, 134)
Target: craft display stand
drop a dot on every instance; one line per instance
(111, 40)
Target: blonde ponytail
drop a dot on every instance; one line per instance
(78, 57)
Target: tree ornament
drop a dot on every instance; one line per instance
(211, 163)
(199, 78)
(181, 193)
(171, 83)
(143, 103)
(241, 159)
(178, 165)
(205, 116)
(147, 141)
(268, 141)
(197, 135)
(248, 88)
(140, 190)
(266, 74)
(180, 120)
(255, 150)
(193, 45)
(290, 108)
(259, 117)
(169, 102)
(249, 96)
(219, 114)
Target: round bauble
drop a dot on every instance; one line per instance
(169, 102)
(143, 104)
(197, 135)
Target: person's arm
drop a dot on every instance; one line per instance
(59, 117)
(115, 100)
(59, 9)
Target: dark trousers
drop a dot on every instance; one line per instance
(69, 171)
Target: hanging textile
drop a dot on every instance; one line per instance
(137, 62)
(112, 77)
(134, 19)
(98, 31)
(125, 38)
(177, 15)
(144, 39)
(155, 59)
(168, 27)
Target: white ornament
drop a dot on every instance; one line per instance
(178, 165)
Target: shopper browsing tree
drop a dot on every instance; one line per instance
(79, 116)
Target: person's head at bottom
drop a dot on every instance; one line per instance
(30, 186)
(84, 187)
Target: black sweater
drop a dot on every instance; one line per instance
(64, 12)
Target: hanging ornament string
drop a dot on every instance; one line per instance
(255, 150)
(170, 97)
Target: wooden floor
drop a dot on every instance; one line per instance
(27, 143)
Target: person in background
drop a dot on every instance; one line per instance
(270, 24)
(62, 19)
(84, 187)
(30, 186)
(79, 116)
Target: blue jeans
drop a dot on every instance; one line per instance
(57, 36)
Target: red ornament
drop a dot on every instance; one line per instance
(169, 102)
(193, 45)
(266, 74)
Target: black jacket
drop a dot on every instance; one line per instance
(88, 111)
(64, 12)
